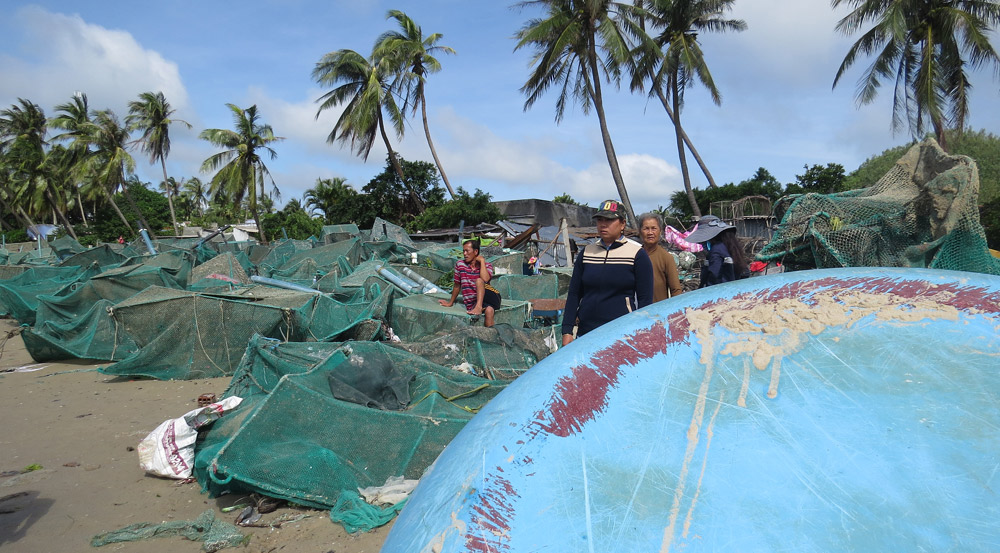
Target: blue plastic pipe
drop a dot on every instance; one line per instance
(402, 282)
(149, 243)
(283, 284)
(426, 286)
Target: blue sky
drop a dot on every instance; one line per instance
(778, 109)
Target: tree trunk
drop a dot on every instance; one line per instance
(939, 132)
(26, 217)
(399, 168)
(135, 208)
(687, 141)
(170, 194)
(253, 206)
(111, 198)
(680, 146)
(79, 203)
(427, 132)
(609, 148)
(60, 214)
(14, 212)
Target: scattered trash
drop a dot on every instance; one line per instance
(395, 489)
(169, 449)
(31, 468)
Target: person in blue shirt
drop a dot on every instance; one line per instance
(610, 278)
(724, 260)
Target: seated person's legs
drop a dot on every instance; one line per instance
(491, 302)
(480, 289)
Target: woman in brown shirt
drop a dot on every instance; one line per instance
(666, 283)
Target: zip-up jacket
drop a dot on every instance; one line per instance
(607, 283)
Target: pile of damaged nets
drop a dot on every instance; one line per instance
(347, 375)
(923, 213)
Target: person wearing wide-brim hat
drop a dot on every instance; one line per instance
(724, 255)
(611, 278)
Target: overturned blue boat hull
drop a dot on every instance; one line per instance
(816, 411)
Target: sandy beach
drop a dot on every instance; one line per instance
(81, 428)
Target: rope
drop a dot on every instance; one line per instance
(453, 398)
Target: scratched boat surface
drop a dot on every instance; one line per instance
(847, 410)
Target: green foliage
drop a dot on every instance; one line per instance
(387, 197)
(762, 183)
(16, 235)
(869, 172)
(989, 217)
(819, 179)
(474, 209)
(153, 205)
(334, 199)
(295, 222)
(565, 198)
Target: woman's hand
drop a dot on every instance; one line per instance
(567, 338)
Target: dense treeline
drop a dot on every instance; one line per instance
(68, 168)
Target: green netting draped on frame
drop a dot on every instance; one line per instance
(923, 213)
(321, 418)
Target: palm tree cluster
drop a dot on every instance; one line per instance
(87, 159)
(384, 85)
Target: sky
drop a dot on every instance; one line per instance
(779, 110)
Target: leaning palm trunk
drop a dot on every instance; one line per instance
(399, 168)
(255, 208)
(25, 217)
(609, 148)
(121, 215)
(427, 132)
(60, 214)
(687, 141)
(680, 149)
(79, 204)
(17, 213)
(170, 199)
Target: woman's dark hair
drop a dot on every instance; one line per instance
(728, 237)
(474, 242)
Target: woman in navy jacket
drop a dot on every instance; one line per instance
(610, 278)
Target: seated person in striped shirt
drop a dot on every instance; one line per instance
(472, 279)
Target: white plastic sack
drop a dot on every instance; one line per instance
(395, 489)
(169, 449)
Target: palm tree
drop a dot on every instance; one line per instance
(678, 61)
(326, 196)
(109, 164)
(198, 193)
(72, 119)
(566, 43)
(150, 114)
(239, 169)
(412, 58)
(362, 85)
(920, 44)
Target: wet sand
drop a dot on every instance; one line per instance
(82, 427)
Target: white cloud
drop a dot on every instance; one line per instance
(64, 54)
(792, 42)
